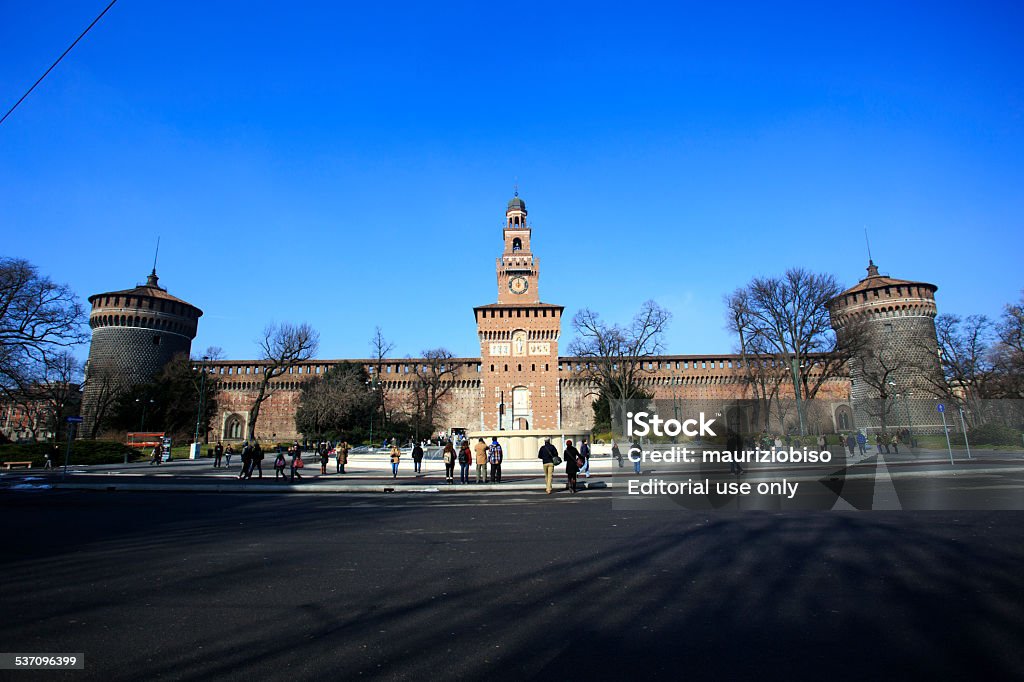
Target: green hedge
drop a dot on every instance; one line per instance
(82, 452)
(995, 434)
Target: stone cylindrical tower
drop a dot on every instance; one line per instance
(135, 333)
(895, 373)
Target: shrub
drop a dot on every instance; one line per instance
(995, 434)
(82, 452)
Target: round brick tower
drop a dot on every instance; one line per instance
(135, 333)
(896, 373)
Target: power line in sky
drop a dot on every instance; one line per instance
(64, 54)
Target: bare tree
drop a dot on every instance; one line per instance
(965, 346)
(878, 371)
(38, 319)
(434, 374)
(380, 349)
(1008, 354)
(763, 370)
(614, 357)
(282, 348)
(61, 389)
(789, 314)
(105, 388)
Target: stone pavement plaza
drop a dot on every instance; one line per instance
(371, 472)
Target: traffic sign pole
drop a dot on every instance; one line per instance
(942, 411)
(963, 425)
(72, 423)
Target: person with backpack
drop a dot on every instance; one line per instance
(279, 464)
(448, 455)
(573, 462)
(494, 456)
(464, 457)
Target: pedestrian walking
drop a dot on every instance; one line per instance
(548, 456)
(895, 443)
(158, 454)
(257, 460)
(448, 455)
(464, 458)
(585, 454)
(218, 455)
(481, 460)
(881, 442)
(636, 455)
(297, 462)
(325, 457)
(246, 460)
(49, 463)
(861, 443)
(396, 457)
(494, 456)
(851, 443)
(279, 464)
(341, 455)
(734, 444)
(573, 462)
(616, 453)
(229, 451)
(417, 458)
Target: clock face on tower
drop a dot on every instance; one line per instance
(518, 285)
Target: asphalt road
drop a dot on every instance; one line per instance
(504, 586)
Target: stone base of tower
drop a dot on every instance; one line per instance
(524, 445)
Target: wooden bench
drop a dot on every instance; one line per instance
(11, 465)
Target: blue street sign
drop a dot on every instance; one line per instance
(940, 407)
(74, 420)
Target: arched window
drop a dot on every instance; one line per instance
(233, 428)
(844, 418)
(517, 244)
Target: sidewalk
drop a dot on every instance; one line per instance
(371, 473)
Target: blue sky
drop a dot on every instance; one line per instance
(349, 165)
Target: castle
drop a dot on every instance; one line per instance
(520, 382)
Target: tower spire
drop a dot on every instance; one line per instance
(152, 280)
(872, 268)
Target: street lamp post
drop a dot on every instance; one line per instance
(199, 414)
(145, 403)
(910, 423)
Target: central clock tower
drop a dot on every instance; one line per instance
(517, 268)
(519, 338)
